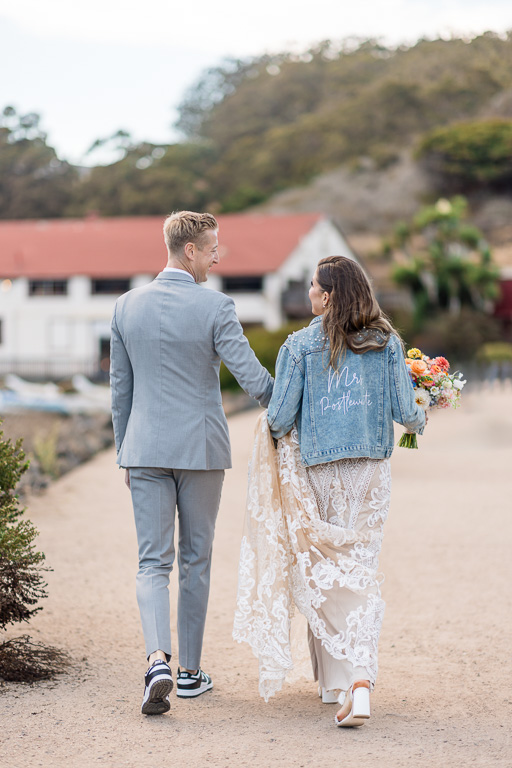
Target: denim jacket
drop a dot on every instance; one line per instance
(343, 414)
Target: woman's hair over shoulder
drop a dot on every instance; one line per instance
(353, 318)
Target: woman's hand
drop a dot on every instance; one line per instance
(411, 432)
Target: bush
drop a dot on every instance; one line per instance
(458, 338)
(475, 153)
(266, 345)
(46, 452)
(21, 578)
(23, 661)
(495, 352)
(21, 581)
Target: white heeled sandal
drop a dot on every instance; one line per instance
(328, 697)
(359, 698)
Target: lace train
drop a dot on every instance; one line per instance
(309, 533)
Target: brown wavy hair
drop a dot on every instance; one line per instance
(353, 318)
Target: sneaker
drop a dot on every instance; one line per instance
(189, 685)
(158, 682)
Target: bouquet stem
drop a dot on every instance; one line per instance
(408, 441)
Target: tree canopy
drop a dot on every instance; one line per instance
(254, 126)
(33, 181)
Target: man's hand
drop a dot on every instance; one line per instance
(127, 477)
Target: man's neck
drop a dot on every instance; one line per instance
(174, 264)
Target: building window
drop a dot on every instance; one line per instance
(242, 284)
(112, 287)
(47, 287)
(295, 299)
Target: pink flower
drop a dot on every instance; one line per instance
(447, 398)
(442, 362)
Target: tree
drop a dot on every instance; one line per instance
(444, 262)
(149, 179)
(34, 183)
(275, 121)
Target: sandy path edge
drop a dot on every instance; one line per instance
(444, 693)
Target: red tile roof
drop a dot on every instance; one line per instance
(121, 247)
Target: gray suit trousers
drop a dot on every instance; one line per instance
(156, 493)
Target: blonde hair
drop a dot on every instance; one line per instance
(183, 227)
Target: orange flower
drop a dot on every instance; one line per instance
(418, 367)
(435, 368)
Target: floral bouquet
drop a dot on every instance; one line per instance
(433, 386)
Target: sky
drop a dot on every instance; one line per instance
(92, 68)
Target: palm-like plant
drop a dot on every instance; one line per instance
(444, 262)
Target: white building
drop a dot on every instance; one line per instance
(59, 280)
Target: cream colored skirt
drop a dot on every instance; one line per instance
(311, 543)
(352, 494)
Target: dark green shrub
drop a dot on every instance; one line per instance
(266, 345)
(457, 338)
(476, 153)
(21, 578)
(21, 582)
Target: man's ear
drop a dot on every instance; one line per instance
(189, 251)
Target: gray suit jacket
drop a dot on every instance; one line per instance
(168, 339)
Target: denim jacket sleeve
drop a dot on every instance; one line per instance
(287, 396)
(403, 405)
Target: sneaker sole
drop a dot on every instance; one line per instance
(156, 703)
(191, 694)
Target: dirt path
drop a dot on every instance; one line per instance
(444, 694)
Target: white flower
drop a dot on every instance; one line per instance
(443, 206)
(422, 398)
(447, 384)
(434, 390)
(459, 384)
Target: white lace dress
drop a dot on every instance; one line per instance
(312, 541)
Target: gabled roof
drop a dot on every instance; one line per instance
(122, 247)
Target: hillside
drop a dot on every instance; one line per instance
(362, 199)
(367, 202)
(335, 128)
(278, 122)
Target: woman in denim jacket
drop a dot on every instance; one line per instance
(342, 381)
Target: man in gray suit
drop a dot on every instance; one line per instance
(168, 339)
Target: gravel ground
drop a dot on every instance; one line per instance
(444, 694)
